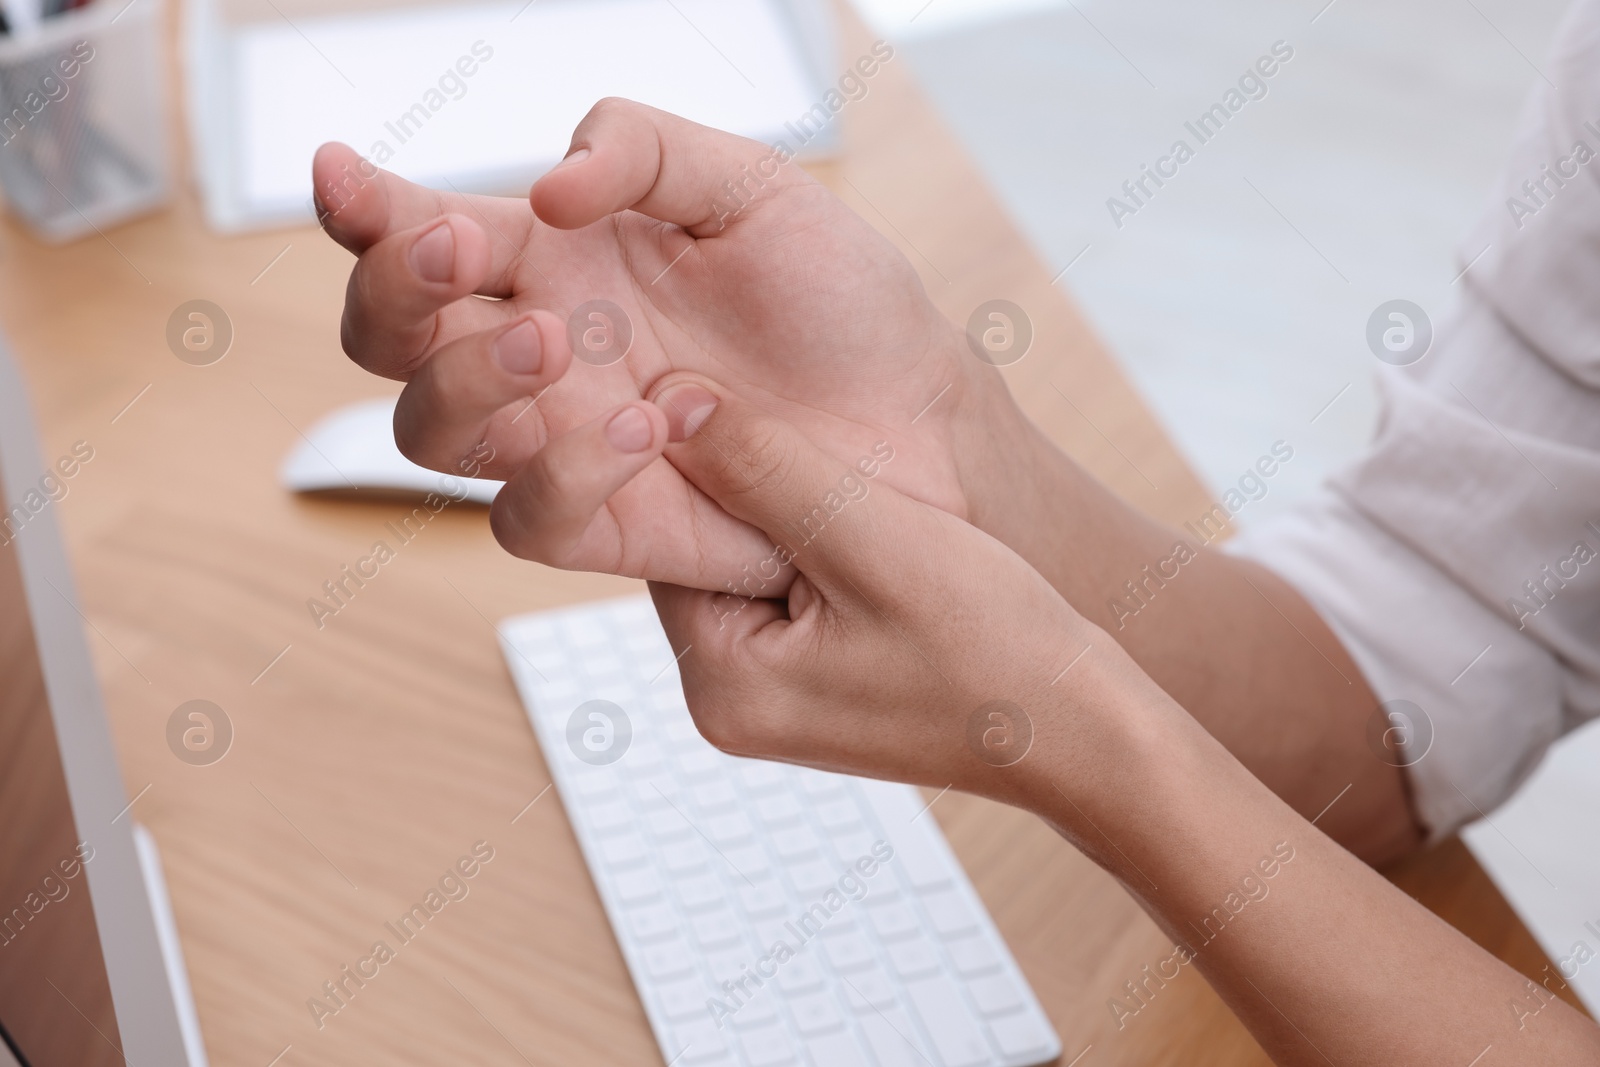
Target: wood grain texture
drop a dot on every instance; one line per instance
(371, 754)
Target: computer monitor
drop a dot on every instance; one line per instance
(90, 973)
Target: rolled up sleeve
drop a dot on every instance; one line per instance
(1459, 558)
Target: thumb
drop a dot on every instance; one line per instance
(822, 515)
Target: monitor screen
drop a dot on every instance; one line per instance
(55, 996)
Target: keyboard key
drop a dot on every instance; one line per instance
(763, 899)
(779, 809)
(683, 857)
(717, 928)
(815, 1013)
(595, 785)
(849, 952)
(668, 959)
(642, 886)
(624, 851)
(699, 1043)
(913, 957)
(726, 964)
(748, 862)
(769, 1046)
(771, 930)
(760, 776)
(650, 794)
(683, 999)
(668, 824)
(680, 731)
(652, 921)
(915, 856)
(701, 892)
(729, 828)
(645, 763)
(837, 815)
(949, 1022)
(893, 921)
(1023, 1034)
(950, 914)
(894, 1039)
(973, 955)
(995, 995)
(869, 989)
(800, 973)
(756, 1012)
(812, 878)
(699, 765)
(714, 796)
(835, 1050)
(851, 845)
(820, 785)
(610, 818)
(795, 842)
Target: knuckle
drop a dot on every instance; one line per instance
(417, 425)
(610, 107)
(554, 482)
(512, 531)
(415, 445)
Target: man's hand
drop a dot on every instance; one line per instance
(911, 646)
(724, 258)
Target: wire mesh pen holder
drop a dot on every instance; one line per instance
(83, 140)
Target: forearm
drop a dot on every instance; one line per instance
(1233, 644)
(1321, 958)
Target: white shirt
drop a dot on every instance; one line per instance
(1459, 559)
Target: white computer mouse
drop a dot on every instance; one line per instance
(352, 451)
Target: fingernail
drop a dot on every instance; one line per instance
(433, 257)
(629, 430)
(518, 350)
(687, 407)
(577, 157)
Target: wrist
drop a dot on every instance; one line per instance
(995, 447)
(1107, 741)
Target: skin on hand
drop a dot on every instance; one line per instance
(903, 621)
(869, 666)
(791, 298)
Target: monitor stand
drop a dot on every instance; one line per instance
(171, 950)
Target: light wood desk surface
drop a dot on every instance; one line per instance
(370, 755)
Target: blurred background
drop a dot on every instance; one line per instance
(1237, 299)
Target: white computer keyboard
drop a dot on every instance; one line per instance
(753, 902)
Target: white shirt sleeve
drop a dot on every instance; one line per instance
(1459, 559)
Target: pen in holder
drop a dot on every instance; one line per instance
(83, 140)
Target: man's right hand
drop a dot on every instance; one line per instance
(723, 259)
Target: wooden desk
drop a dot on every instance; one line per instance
(372, 754)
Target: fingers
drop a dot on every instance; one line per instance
(712, 623)
(731, 695)
(763, 471)
(400, 286)
(360, 203)
(626, 155)
(445, 411)
(549, 510)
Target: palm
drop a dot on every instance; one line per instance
(796, 303)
